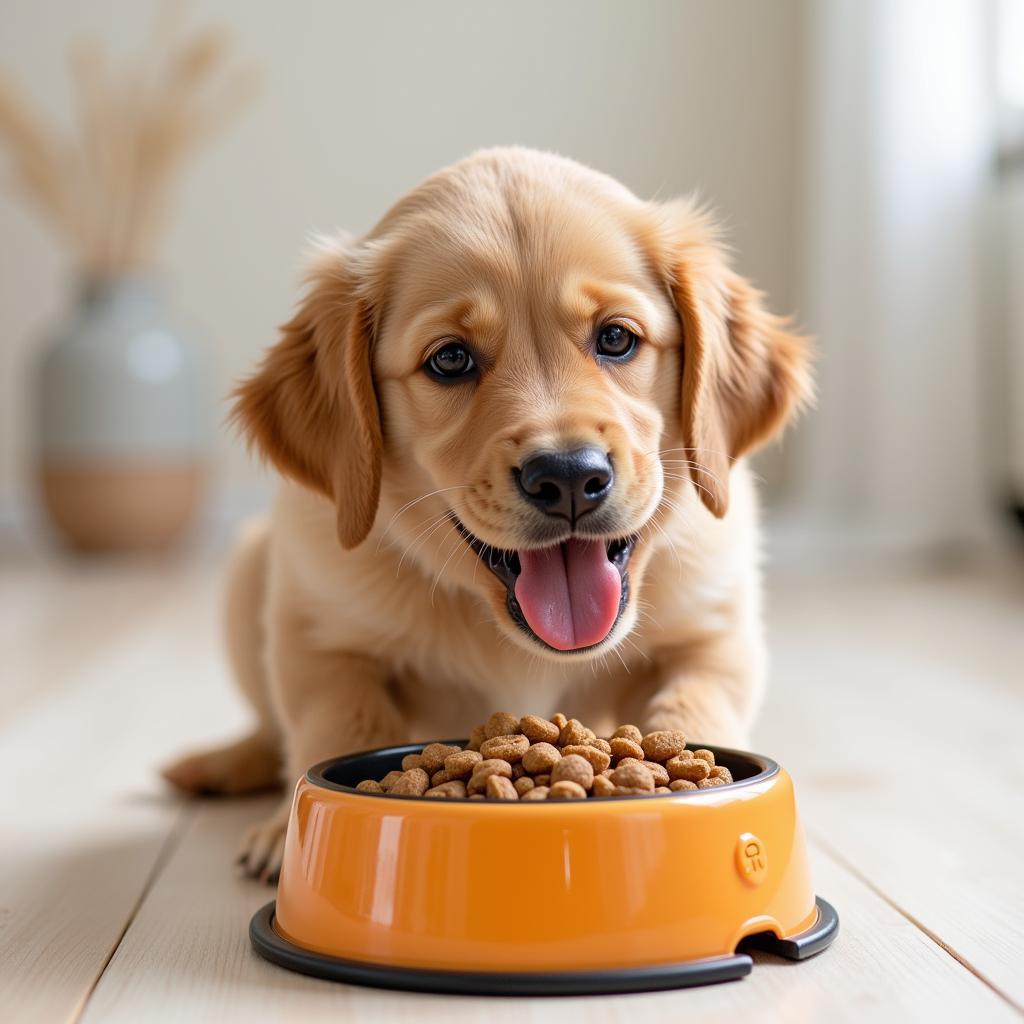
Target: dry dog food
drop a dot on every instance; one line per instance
(557, 758)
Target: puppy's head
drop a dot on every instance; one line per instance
(517, 367)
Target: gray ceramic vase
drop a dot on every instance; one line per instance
(120, 424)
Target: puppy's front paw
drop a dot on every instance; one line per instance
(263, 847)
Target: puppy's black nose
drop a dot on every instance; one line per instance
(566, 484)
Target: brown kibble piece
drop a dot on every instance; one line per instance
(460, 765)
(603, 786)
(720, 772)
(544, 779)
(411, 761)
(632, 776)
(492, 765)
(573, 768)
(434, 755)
(499, 788)
(692, 768)
(454, 788)
(566, 790)
(601, 745)
(477, 796)
(663, 744)
(537, 793)
(508, 748)
(677, 784)
(438, 777)
(629, 732)
(631, 791)
(523, 785)
(559, 719)
(414, 782)
(662, 789)
(659, 772)
(389, 780)
(484, 770)
(598, 759)
(476, 737)
(539, 730)
(501, 723)
(540, 757)
(370, 786)
(710, 783)
(573, 732)
(705, 755)
(623, 746)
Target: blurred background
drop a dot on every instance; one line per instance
(865, 157)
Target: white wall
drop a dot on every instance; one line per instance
(362, 100)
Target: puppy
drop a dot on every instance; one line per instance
(511, 423)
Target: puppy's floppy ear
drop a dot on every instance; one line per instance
(744, 372)
(311, 408)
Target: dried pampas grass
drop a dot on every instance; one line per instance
(108, 191)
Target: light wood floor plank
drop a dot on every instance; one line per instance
(83, 816)
(897, 706)
(187, 957)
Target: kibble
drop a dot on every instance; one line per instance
(624, 746)
(558, 758)
(501, 723)
(539, 730)
(661, 745)
(414, 782)
(573, 768)
(460, 765)
(499, 788)
(508, 748)
(573, 732)
(566, 790)
(433, 757)
(539, 758)
(692, 768)
(598, 759)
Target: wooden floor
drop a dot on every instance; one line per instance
(897, 704)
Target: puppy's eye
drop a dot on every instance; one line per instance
(616, 342)
(451, 362)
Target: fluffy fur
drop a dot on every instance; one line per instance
(358, 615)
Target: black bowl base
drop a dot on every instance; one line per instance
(270, 945)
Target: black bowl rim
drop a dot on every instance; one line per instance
(315, 776)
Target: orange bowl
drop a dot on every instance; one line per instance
(604, 894)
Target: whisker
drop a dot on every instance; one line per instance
(423, 497)
(437, 578)
(636, 647)
(712, 451)
(428, 532)
(696, 483)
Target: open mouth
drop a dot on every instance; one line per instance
(567, 596)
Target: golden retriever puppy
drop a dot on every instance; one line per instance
(511, 423)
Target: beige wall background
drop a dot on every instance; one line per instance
(360, 101)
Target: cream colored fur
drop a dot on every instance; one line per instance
(358, 616)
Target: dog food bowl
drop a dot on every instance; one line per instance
(610, 894)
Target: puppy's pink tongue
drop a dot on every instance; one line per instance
(569, 593)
